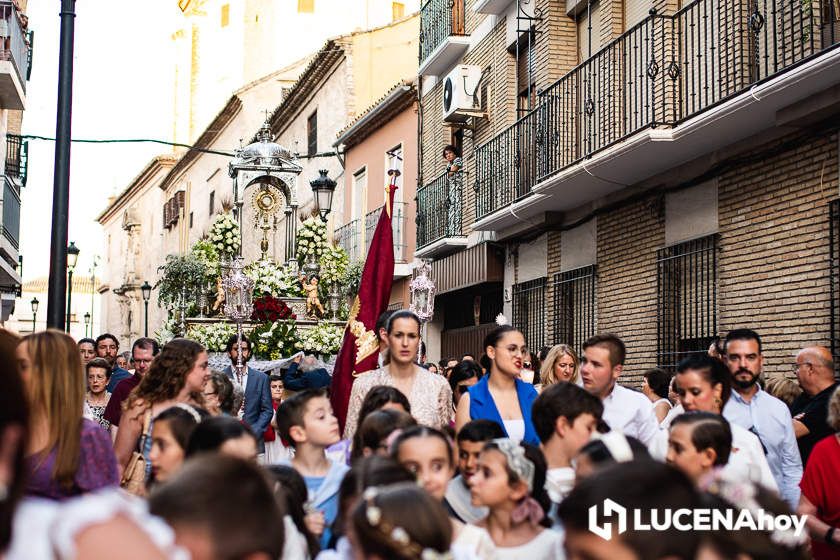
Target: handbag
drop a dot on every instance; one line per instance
(134, 475)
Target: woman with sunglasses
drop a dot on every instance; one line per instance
(502, 396)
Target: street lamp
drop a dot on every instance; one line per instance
(146, 290)
(323, 188)
(87, 322)
(34, 304)
(72, 257)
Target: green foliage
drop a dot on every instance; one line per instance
(334, 262)
(352, 279)
(180, 275)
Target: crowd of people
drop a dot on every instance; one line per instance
(500, 456)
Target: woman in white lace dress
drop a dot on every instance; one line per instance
(429, 394)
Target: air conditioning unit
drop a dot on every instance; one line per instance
(460, 95)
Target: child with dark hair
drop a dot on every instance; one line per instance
(170, 437)
(655, 387)
(306, 422)
(366, 473)
(245, 523)
(607, 449)
(374, 433)
(565, 417)
(427, 453)
(640, 486)
(401, 522)
(290, 489)
(223, 435)
(471, 440)
(510, 482)
(698, 442)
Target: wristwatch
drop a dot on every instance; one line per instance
(829, 535)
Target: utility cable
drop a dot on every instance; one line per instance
(163, 142)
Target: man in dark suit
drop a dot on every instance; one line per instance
(257, 406)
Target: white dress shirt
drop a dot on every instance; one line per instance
(771, 420)
(630, 413)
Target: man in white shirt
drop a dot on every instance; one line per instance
(625, 410)
(764, 415)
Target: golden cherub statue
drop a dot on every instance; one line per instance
(220, 294)
(313, 304)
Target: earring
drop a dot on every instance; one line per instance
(718, 402)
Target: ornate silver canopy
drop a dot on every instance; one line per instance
(267, 164)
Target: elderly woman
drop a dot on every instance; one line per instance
(561, 364)
(218, 394)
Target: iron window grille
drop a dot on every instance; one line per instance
(834, 277)
(529, 311)
(574, 306)
(686, 300)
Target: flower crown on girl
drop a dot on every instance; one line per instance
(394, 534)
(524, 469)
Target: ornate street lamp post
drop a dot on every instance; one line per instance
(87, 322)
(422, 294)
(34, 304)
(72, 258)
(146, 290)
(323, 188)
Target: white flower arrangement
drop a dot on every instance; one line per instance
(271, 278)
(334, 262)
(224, 234)
(311, 239)
(323, 338)
(213, 337)
(167, 330)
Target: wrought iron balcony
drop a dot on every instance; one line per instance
(349, 238)
(660, 73)
(16, 158)
(11, 213)
(440, 206)
(15, 47)
(397, 225)
(440, 21)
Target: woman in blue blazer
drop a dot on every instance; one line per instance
(501, 396)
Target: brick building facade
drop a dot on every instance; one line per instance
(671, 179)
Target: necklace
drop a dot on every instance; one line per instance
(100, 401)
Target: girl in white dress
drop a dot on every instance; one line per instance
(427, 453)
(510, 481)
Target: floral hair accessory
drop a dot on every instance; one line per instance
(501, 320)
(394, 534)
(516, 459)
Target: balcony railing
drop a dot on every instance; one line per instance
(440, 208)
(439, 19)
(664, 70)
(16, 158)
(14, 45)
(11, 213)
(349, 238)
(397, 225)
